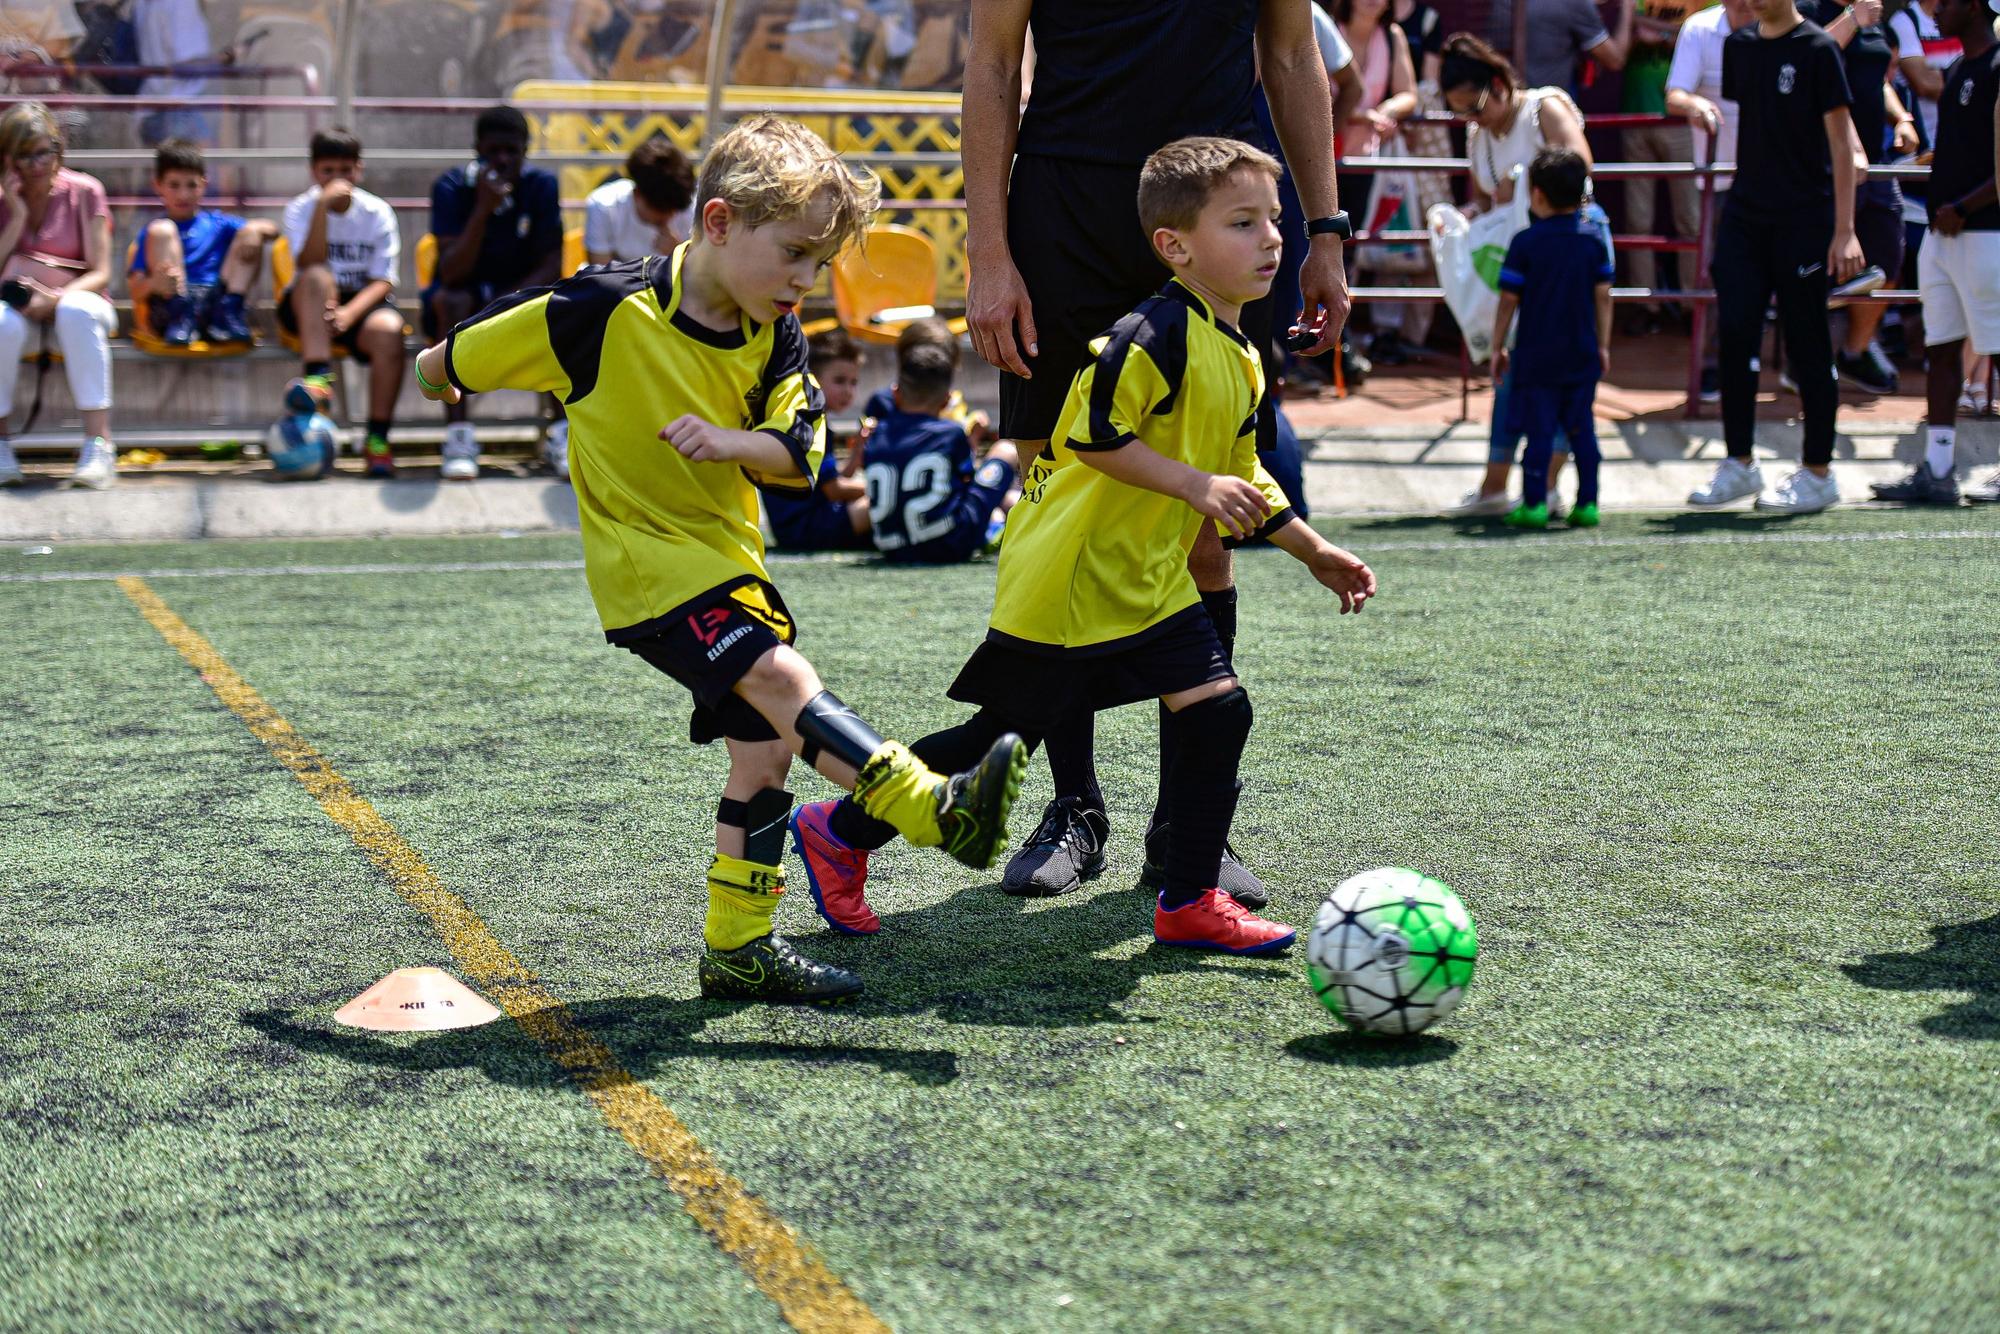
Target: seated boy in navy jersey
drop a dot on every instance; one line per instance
(1558, 274)
(685, 380)
(1095, 607)
(926, 500)
(833, 516)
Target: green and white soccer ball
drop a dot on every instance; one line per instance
(1391, 951)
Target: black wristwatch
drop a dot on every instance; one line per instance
(1335, 224)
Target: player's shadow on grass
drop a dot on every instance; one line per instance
(1366, 1051)
(1742, 520)
(1964, 956)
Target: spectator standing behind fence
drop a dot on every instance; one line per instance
(498, 224)
(55, 264)
(1694, 90)
(1886, 130)
(1423, 30)
(1560, 34)
(174, 32)
(1558, 275)
(196, 265)
(1923, 54)
(1655, 29)
(1959, 267)
(1510, 124)
(345, 245)
(1787, 230)
(649, 212)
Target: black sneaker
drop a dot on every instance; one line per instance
(973, 808)
(1921, 487)
(178, 328)
(1065, 850)
(769, 969)
(1866, 373)
(1711, 385)
(1236, 880)
(227, 322)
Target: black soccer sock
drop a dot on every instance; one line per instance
(1221, 607)
(379, 427)
(1073, 759)
(1202, 793)
(762, 820)
(948, 752)
(319, 368)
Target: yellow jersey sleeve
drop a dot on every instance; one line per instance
(507, 346)
(790, 408)
(1135, 371)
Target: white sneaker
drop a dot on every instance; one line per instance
(461, 453)
(1986, 492)
(96, 464)
(1733, 480)
(1801, 493)
(555, 447)
(10, 467)
(1478, 505)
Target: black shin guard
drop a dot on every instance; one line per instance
(1220, 604)
(826, 725)
(762, 820)
(1201, 792)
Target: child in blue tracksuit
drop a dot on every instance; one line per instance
(927, 502)
(1558, 277)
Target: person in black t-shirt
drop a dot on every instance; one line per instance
(1887, 131)
(1055, 255)
(1958, 269)
(1786, 230)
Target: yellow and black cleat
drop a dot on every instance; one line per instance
(768, 969)
(973, 806)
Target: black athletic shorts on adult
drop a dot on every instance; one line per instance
(1073, 230)
(288, 320)
(708, 646)
(1033, 687)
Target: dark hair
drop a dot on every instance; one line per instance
(503, 122)
(338, 142)
(661, 174)
(179, 155)
(923, 372)
(1471, 63)
(835, 344)
(1561, 175)
(932, 330)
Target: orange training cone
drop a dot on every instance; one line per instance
(412, 1000)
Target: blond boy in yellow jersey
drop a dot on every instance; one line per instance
(1095, 606)
(685, 383)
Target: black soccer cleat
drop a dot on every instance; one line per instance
(973, 806)
(1921, 487)
(768, 969)
(1238, 881)
(1065, 850)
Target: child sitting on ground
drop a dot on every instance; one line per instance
(833, 516)
(195, 265)
(686, 384)
(1558, 275)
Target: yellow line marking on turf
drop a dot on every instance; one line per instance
(782, 1265)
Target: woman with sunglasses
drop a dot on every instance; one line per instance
(55, 264)
(1509, 125)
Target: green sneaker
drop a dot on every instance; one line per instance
(1584, 516)
(973, 806)
(1527, 516)
(769, 969)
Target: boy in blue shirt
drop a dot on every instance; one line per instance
(195, 265)
(1557, 274)
(927, 502)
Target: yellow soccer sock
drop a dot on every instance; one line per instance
(741, 898)
(901, 790)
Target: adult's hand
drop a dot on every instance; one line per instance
(1323, 285)
(996, 305)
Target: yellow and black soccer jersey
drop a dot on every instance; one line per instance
(658, 531)
(1091, 564)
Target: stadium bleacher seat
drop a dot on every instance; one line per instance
(884, 284)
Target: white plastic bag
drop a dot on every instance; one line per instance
(1468, 253)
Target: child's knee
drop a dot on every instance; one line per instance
(162, 229)
(756, 765)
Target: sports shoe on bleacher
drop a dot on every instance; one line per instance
(96, 465)
(10, 467)
(461, 453)
(227, 320)
(381, 462)
(179, 329)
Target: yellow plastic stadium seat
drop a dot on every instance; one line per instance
(151, 344)
(886, 283)
(573, 251)
(426, 260)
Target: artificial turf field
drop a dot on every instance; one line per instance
(1723, 810)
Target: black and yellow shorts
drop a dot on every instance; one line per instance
(710, 643)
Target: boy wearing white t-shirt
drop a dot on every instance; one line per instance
(649, 212)
(345, 244)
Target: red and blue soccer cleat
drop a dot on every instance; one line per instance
(1217, 922)
(836, 874)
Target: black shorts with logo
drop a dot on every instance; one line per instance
(708, 645)
(288, 320)
(1034, 687)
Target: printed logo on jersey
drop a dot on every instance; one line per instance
(1965, 93)
(1788, 77)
